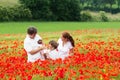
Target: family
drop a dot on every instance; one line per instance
(36, 49)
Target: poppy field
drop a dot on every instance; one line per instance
(96, 56)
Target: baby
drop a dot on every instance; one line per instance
(40, 43)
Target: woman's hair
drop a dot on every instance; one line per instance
(66, 35)
(31, 30)
(54, 44)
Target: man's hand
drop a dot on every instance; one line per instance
(37, 50)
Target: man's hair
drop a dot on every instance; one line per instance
(31, 30)
(53, 44)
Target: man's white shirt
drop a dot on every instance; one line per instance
(31, 44)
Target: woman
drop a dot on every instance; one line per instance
(66, 44)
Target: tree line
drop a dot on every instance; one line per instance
(106, 5)
(57, 10)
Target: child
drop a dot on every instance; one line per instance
(40, 43)
(53, 53)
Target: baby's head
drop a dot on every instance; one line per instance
(40, 41)
(53, 44)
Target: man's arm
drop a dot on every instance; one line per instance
(28, 48)
(32, 52)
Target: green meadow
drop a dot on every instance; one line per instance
(20, 27)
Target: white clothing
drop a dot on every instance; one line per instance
(31, 44)
(54, 54)
(64, 50)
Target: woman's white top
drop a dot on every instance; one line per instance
(31, 44)
(64, 50)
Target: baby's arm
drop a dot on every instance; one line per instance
(45, 53)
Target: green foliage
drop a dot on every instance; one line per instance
(111, 6)
(60, 10)
(86, 16)
(17, 13)
(40, 9)
(103, 16)
(3, 14)
(66, 10)
(21, 13)
(118, 3)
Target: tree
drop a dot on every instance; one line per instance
(118, 3)
(96, 3)
(66, 10)
(40, 8)
(61, 10)
(111, 2)
(82, 2)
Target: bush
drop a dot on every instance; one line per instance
(85, 16)
(17, 13)
(40, 9)
(103, 16)
(21, 13)
(3, 14)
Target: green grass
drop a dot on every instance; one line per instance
(20, 27)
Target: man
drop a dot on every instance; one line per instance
(31, 45)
